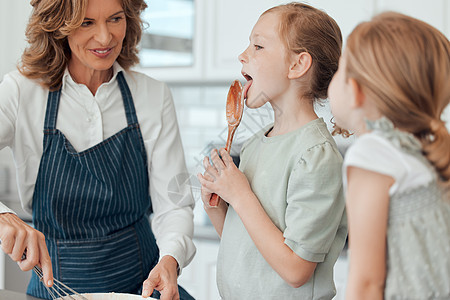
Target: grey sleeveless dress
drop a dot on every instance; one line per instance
(418, 237)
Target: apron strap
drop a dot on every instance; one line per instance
(52, 110)
(130, 111)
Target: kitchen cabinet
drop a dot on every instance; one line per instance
(192, 72)
(222, 28)
(229, 26)
(222, 32)
(232, 21)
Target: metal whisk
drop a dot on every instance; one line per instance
(58, 289)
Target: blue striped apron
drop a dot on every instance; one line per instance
(93, 208)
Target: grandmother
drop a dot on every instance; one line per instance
(95, 146)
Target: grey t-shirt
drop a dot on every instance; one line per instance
(297, 178)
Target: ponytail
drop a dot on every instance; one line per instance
(436, 147)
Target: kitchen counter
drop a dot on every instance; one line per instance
(10, 295)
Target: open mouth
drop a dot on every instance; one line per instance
(248, 77)
(247, 84)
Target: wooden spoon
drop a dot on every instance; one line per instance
(235, 108)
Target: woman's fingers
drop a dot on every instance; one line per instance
(31, 253)
(45, 262)
(149, 286)
(18, 238)
(13, 235)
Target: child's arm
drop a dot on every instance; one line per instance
(216, 215)
(270, 241)
(367, 211)
(232, 185)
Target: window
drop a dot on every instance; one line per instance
(167, 40)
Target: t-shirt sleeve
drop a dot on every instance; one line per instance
(315, 203)
(375, 154)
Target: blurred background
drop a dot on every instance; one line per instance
(193, 45)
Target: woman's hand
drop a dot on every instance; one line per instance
(223, 178)
(17, 238)
(163, 278)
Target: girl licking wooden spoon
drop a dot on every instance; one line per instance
(285, 225)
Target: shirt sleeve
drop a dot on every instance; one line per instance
(375, 154)
(170, 190)
(9, 94)
(315, 203)
(5, 209)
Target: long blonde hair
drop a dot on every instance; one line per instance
(403, 65)
(51, 21)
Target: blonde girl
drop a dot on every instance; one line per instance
(390, 90)
(284, 226)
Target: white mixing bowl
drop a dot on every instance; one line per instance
(110, 296)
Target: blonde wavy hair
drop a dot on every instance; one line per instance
(51, 21)
(403, 65)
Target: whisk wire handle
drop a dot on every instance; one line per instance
(57, 289)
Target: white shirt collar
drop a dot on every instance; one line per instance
(67, 78)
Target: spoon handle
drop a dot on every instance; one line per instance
(214, 200)
(231, 131)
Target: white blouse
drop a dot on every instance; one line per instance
(373, 152)
(87, 120)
